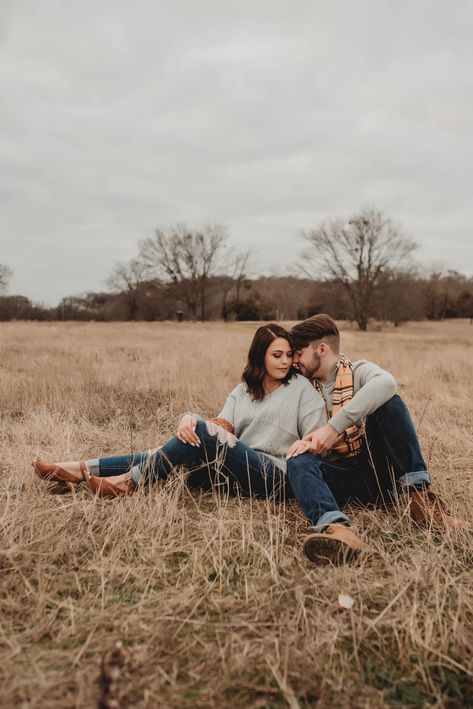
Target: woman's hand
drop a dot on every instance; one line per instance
(317, 442)
(297, 448)
(321, 440)
(186, 431)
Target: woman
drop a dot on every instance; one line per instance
(244, 447)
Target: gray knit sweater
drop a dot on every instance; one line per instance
(272, 425)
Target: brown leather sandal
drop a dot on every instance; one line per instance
(103, 488)
(50, 472)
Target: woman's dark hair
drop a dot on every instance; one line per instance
(254, 372)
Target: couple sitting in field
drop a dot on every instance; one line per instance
(328, 432)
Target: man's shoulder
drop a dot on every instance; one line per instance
(361, 362)
(366, 365)
(364, 371)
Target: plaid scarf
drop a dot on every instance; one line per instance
(348, 444)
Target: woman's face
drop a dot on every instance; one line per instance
(278, 358)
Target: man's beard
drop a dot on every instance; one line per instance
(311, 369)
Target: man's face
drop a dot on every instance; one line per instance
(308, 361)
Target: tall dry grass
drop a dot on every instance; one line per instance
(211, 597)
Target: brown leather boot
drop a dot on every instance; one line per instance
(428, 510)
(103, 487)
(66, 481)
(336, 544)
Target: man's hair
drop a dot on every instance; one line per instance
(318, 327)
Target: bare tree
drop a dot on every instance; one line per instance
(465, 305)
(5, 275)
(240, 270)
(442, 290)
(356, 253)
(400, 296)
(128, 279)
(236, 274)
(187, 259)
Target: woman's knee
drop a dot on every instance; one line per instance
(209, 432)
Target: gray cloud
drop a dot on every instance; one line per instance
(268, 117)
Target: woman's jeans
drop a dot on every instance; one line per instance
(390, 462)
(220, 461)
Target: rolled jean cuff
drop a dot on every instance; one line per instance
(135, 473)
(94, 466)
(329, 518)
(420, 478)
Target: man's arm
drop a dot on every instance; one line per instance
(373, 386)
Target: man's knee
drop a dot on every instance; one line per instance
(393, 407)
(303, 464)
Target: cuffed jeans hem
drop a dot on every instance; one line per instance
(94, 466)
(329, 518)
(420, 479)
(136, 474)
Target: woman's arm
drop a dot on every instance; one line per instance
(310, 416)
(186, 428)
(226, 417)
(311, 411)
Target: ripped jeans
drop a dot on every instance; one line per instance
(219, 462)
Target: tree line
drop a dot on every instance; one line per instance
(356, 269)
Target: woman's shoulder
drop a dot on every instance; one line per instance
(300, 383)
(239, 391)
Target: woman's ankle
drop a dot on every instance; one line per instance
(75, 467)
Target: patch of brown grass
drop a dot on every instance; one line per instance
(211, 597)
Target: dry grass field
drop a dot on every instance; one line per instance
(212, 598)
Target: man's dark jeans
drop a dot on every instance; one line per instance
(391, 460)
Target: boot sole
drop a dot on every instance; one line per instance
(322, 550)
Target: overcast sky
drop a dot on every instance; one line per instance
(118, 117)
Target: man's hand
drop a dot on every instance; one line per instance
(321, 440)
(186, 431)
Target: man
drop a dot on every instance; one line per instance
(366, 451)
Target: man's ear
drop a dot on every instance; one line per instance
(323, 348)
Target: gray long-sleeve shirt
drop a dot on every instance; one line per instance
(372, 387)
